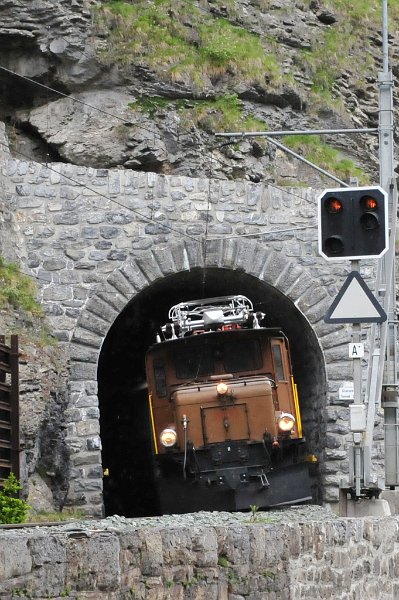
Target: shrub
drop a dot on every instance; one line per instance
(16, 289)
(12, 509)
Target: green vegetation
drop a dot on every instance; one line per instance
(182, 43)
(254, 512)
(223, 561)
(344, 42)
(22, 593)
(223, 113)
(17, 290)
(12, 509)
(64, 515)
(362, 10)
(269, 575)
(325, 156)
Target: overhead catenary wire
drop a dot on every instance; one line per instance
(128, 123)
(157, 221)
(149, 219)
(136, 212)
(125, 121)
(204, 240)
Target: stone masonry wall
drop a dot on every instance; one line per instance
(338, 559)
(95, 238)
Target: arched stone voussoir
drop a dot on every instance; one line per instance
(302, 284)
(314, 294)
(165, 259)
(101, 308)
(214, 253)
(339, 334)
(179, 255)
(273, 267)
(246, 252)
(148, 264)
(134, 276)
(121, 283)
(229, 250)
(258, 262)
(93, 323)
(193, 254)
(86, 337)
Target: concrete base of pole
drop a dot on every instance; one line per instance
(375, 507)
(392, 497)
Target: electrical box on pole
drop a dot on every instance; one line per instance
(353, 223)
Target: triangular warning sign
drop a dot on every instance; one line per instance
(355, 303)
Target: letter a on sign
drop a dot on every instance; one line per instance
(355, 303)
(356, 350)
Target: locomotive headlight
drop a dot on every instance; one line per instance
(286, 422)
(168, 437)
(222, 388)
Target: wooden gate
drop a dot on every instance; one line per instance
(9, 408)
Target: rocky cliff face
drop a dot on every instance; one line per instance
(153, 83)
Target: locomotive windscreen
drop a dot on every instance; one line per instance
(204, 357)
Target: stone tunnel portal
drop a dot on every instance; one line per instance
(124, 422)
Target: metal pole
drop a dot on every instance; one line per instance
(283, 132)
(357, 400)
(387, 382)
(307, 162)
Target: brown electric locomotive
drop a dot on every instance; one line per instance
(224, 409)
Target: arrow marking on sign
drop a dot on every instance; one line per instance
(355, 303)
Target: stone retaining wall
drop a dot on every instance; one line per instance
(94, 239)
(343, 559)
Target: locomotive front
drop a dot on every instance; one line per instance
(224, 411)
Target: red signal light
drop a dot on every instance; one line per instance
(369, 203)
(333, 205)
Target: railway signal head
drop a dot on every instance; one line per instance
(353, 223)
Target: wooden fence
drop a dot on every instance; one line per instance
(9, 408)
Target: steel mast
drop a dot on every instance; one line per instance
(383, 370)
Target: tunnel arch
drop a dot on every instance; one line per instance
(121, 391)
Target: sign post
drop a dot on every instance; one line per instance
(356, 304)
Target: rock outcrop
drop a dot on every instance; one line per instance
(72, 47)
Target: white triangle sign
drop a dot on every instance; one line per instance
(355, 303)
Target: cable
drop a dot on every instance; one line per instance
(128, 123)
(136, 212)
(281, 189)
(207, 221)
(269, 232)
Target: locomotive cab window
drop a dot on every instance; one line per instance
(191, 363)
(160, 378)
(278, 362)
(244, 355)
(216, 356)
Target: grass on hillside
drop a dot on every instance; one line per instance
(346, 43)
(223, 113)
(325, 156)
(182, 43)
(17, 290)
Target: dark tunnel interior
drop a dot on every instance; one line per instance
(124, 418)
